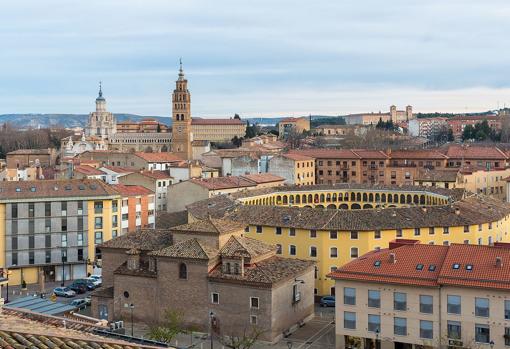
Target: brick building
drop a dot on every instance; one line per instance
(209, 272)
(137, 208)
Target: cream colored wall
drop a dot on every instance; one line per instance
(483, 181)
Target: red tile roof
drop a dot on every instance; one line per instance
(119, 169)
(156, 174)
(297, 156)
(159, 157)
(264, 178)
(377, 266)
(132, 190)
(416, 154)
(474, 152)
(370, 154)
(198, 121)
(88, 170)
(318, 153)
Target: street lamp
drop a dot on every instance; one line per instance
(491, 344)
(211, 317)
(377, 338)
(64, 257)
(131, 306)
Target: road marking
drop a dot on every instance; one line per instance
(316, 336)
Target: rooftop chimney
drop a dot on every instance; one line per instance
(499, 262)
(393, 258)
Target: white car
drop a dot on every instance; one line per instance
(64, 292)
(97, 281)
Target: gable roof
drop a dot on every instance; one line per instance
(239, 246)
(145, 239)
(132, 190)
(158, 157)
(188, 249)
(88, 170)
(474, 152)
(260, 178)
(217, 183)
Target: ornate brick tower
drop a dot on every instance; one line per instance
(181, 118)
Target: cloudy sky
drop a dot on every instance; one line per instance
(255, 58)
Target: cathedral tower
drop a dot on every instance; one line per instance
(101, 123)
(181, 118)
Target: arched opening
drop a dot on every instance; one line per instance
(278, 200)
(367, 206)
(343, 207)
(322, 198)
(291, 199)
(298, 199)
(319, 206)
(358, 196)
(183, 271)
(371, 197)
(377, 197)
(316, 198)
(409, 199)
(328, 197)
(365, 197)
(355, 207)
(416, 199)
(308, 206)
(310, 200)
(402, 199)
(285, 200)
(332, 206)
(333, 197)
(390, 198)
(304, 199)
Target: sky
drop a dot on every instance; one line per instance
(261, 58)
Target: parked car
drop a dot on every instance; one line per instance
(64, 292)
(97, 282)
(86, 282)
(78, 288)
(328, 301)
(79, 303)
(88, 299)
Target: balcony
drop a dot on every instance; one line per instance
(151, 206)
(124, 209)
(124, 224)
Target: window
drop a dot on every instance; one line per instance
(313, 233)
(31, 241)
(14, 227)
(426, 304)
(333, 252)
(64, 224)
(63, 240)
(313, 251)
(333, 234)
(47, 209)
(446, 230)
(254, 302)
(507, 310)
(14, 211)
(31, 210)
(377, 234)
(80, 207)
(349, 320)
(399, 301)
(374, 323)
(453, 305)
(354, 252)
(466, 229)
(431, 231)
(454, 329)
(354, 235)
(98, 207)
(399, 233)
(183, 271)
(482, 307)
(416, 231)
(278, 249)
(115, 221)
(482, 333)
(259, 229)
(374, 298)
(125, 217)
(47, 256)
(253, 319)
(80, 254)
(80, 223)
(400, 326)
(426, 329)
(31, 257)
(14, 243)
(31, 226)
(98, 222)
(98, 237)
(507, 336)
(63, 208)
(349, 296)
(292, 250)
(115, 206)
(14, 258)
(80, 239)
(292, 232)
(114, 233)
(47, 241)
(215, 297)
(278, 230)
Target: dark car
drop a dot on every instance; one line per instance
(78, 288)
(328, 301)
(87, 283)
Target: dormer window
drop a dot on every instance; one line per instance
(236, 268)
(227, 268)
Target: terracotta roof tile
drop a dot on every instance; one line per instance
(475, 152)
(297, 156)
(260, 178)
(145, 240)
(156, 174)
(211, 226)
(218, 183)
(189, 249)
(132, 190)
(238, 246)
(200, 121)
(88, 170)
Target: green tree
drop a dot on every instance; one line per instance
(237, 141)
(171, 326)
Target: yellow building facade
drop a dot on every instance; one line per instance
(333, 226)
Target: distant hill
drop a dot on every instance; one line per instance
(80, 120)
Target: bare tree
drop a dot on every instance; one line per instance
(171, 326)
(246, 340)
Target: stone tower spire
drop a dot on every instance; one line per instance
(181, 117)
(101, 123)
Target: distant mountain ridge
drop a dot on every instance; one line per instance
(80, 120)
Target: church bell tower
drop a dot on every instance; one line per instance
(181, 118)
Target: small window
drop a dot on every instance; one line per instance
(377, 234)
(432, 267)
(419, 267)
(333, 234)
(278, 231)
(254, 302)
(354, 235)
(292, 250)
(292, 232)
(183, 271)
(469, 267)
(253, 319)
(313, 233)
(259, 229)
(215, 298)
(456, 266)
(377, 264)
